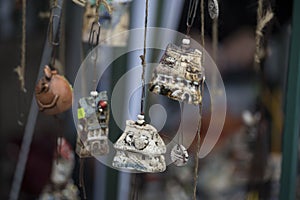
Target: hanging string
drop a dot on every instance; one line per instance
(180, 138)
(262, 20)
(193, 4)
(95, 35)
(214, 54)
(215, 39)
(196, 167)
(81, 177)
(20, 70)
(198, 148)
(202, 23)
(94, 41)
(143, 57)
(134, 192)
(62, 47)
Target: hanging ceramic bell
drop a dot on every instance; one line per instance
(140, 148)
(179, 155)
(179, 74)
(53, 93)
(93, 117)
(61, 185)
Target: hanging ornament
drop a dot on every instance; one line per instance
(61, 185)
(213, 9)
(179, 74)
(93, 116)
(93, 111)
(53, 93)
(179, 155)
(140, 148)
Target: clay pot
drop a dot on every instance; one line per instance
(53, 93)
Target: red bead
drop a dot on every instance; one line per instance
(103, 104)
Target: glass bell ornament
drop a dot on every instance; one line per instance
(179, 155)
(93, 118)
(179, 74)
(140, 148)
(53, 93)
(213, 9)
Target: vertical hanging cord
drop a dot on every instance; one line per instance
(143, 57)
(62, 47)
(262, 20)
(258, 34)
(202, 24)
(134, 194)
(97, 42)
(214, 54)
(81, 177)
(95, 69)
(180, 138)
(215, 39)
(200, 109)
(23, 48)
(20, 70)
(198, 148)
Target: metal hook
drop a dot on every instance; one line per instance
(94, 34)
(191, 13)
(51, 37)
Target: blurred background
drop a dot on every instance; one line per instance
(245, 163)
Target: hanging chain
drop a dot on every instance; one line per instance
(143, 57)
(191, 15)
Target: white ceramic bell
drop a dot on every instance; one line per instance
(140, 148)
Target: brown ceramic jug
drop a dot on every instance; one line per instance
(53, 93)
